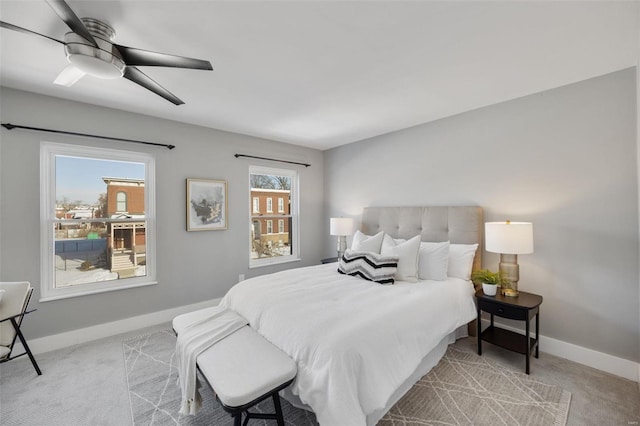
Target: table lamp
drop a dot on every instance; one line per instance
(341, 226)
(509, 239)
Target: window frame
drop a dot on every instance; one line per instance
(48, 153)
(269, 223)
(281, 205)
(124, 195)
(269, 204)
(256, 204)
(294, 214)
(280, 226)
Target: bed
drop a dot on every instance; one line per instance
(360, 346)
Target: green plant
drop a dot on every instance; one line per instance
(486, 276)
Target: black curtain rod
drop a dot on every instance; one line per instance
(10, 126)
(272, 159)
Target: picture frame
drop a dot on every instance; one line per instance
(206, 205)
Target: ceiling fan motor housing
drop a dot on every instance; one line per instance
(104, 61)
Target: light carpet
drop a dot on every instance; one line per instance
(463, 389)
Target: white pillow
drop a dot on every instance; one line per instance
(461, 260)
(388, 240)
(367, 243)
(407, 253)
(433, 261)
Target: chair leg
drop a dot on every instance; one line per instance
(276, 403)
(26, 347)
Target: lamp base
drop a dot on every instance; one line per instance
(342, 246)
(510, 274)
(509, 292)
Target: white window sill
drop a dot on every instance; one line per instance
(78, 293)
(272, 261)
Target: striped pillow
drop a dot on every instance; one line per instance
(370, 266)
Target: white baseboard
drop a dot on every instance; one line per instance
(83, 335)
(585, 356)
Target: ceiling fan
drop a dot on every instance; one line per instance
(90, 50)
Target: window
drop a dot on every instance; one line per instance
(256, 205)
(266, 246)
(121, 201)
(97, 212)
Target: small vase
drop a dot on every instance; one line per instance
(489, 289)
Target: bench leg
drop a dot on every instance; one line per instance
(276, 403)
(237, 418)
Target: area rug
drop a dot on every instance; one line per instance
(463, 389)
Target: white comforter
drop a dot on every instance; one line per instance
(354, 341)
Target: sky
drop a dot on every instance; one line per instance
(80, 179)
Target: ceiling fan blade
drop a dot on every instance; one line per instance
(139, 57)
(138, 77)
(26, 31)
(69, 76)
(62, 9)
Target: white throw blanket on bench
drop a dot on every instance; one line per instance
(195, 339)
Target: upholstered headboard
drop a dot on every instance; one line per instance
(460, 225)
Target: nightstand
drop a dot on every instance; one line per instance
(523, 307)
(329, 260)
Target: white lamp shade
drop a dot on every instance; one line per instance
(509, 237)
(341, 226)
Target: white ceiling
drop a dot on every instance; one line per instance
(323, 74)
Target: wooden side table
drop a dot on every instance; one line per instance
(523, 307)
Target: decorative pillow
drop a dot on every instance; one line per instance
(433, 261)
(369, 243)
(370, 266)
(408, 257)
(461, 260)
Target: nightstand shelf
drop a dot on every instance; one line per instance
(507, 339)
(523, 307)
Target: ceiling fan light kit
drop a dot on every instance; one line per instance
(90, 50)
(103, 61)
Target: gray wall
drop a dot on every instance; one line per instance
(192, 266)
(564, 159)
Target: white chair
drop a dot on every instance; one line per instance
(14, 299)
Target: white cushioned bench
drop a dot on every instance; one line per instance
(243, 369)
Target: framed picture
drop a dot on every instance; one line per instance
(206, 205)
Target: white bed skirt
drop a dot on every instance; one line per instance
(428, 362)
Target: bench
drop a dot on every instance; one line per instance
(243, 369)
